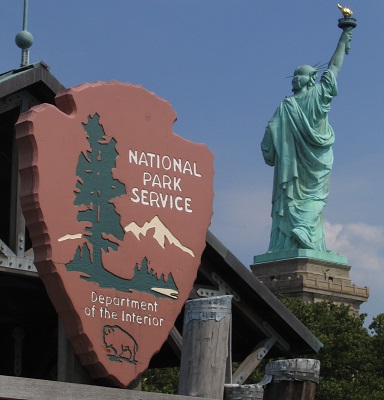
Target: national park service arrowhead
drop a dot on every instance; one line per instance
(117, 207)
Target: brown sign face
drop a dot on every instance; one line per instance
(117, 207)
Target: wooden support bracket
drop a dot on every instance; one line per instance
(259, 352)
(253, 360)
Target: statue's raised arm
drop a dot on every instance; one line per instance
(343, 47)
(347, 23)
(298, 144)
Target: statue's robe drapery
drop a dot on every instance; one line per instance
(298, 143)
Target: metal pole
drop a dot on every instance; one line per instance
(25, 17)
(25, 52)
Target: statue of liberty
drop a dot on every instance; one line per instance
(298, 143)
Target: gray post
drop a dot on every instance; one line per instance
(69, 368)
(291, 379)
(243, 392)
(205, 347)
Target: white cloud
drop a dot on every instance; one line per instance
(363, 245)
(242, 223)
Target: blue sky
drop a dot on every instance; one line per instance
(223, 67)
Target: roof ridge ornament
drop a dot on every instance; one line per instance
(24, 39)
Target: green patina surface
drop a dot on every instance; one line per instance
(298, 144)
(301, 253)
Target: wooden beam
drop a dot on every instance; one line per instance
(175, 340)
(17, 222)
(13, 388)
(253, 360)
(245, 309)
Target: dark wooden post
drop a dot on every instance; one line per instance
(205, 347)
(291, 379)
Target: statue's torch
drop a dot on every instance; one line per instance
(347, 22)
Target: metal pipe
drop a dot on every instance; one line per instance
(25, 17)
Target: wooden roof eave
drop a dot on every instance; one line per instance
(258, 304)
(35, 77)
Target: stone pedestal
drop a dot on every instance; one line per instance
(311, 276)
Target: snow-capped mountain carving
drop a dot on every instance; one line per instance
(161, 234)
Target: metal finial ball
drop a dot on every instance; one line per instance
(24, 40)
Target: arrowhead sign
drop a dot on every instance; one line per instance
(117, 207)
